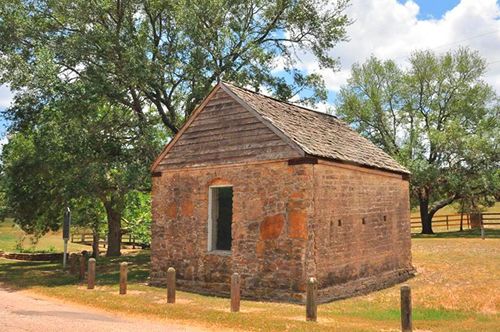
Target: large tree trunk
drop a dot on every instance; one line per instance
(95, 243)
(114, 216)
(427, 212)
(425, 217)
(462, 215)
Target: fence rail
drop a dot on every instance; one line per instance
(88, 238)
(447, 222)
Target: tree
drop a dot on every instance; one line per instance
(140, 56)
(137, 216)
(437, 117)
(162, 53)
(88, 212)
(90, 159)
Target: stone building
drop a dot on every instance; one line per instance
(277, 193)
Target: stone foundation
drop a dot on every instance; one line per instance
(337, 292)
(364, 285)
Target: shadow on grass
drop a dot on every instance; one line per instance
(17, 275)
(489, 233)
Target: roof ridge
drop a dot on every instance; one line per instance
(282, 101)
(315, 133)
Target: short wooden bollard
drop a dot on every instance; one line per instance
(311, 297)
(406, 320)
(123, 278)
(171, 285)
(73, 263)
(235, 292)
(83, 266)
(91, 274)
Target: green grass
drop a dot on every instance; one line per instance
(489, 233)
(11, 236)
(440, 227)
(456, 289)
(452, 209)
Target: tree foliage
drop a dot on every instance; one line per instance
(89, 160)
(437, 117)
(137, 216)
(165, 54)
(93, 79)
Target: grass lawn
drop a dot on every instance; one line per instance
(439, 225)
(11, 235)
(452, 209)
(489, 233)
(457, 288)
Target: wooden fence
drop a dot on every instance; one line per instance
(451, 222)
(88, 238)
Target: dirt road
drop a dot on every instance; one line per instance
(21, 311)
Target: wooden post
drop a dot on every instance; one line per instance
(447, 227)
(468, 223)
(235, 292)
(311, 295)
(171, 285)
(73, 263)
(82, 267)
(406, 319)
(123, 278)
(482, 227)
(91, 274)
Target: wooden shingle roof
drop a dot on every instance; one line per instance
(317, 134)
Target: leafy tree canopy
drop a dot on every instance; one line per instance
(90, 160)
(437, 117)
(162, 53)
(94, 78)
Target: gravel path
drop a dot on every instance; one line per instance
(22, 311)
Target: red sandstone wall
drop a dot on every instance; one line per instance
(285, 229)
(272, 210)
(355, 250)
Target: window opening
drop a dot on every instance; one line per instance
(220, 218)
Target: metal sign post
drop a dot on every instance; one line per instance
(66, 224)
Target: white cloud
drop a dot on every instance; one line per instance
(3, 141)
(390, 29)
(5, 96)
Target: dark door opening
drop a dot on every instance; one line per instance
(223, 217)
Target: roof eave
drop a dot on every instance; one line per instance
(405, 173)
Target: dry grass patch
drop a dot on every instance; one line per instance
(456, 289)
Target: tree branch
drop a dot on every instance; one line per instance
(441, 204)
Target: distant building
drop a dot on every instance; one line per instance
(277, 193)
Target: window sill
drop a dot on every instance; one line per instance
(220, 252)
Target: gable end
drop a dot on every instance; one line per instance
(223, 130)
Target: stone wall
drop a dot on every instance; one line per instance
(362, 228)
(272, 210)
(32, 256)
(347, 226)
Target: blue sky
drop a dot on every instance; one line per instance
(394, 28)
(434, 8)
